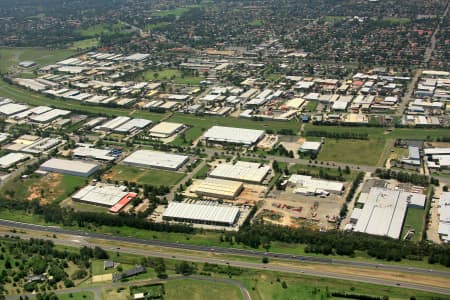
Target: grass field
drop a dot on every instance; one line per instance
(171, 75)
(256, 23)
(191, 135)
(208, 121)
(85, 44)
(144, 176)
(102, 29)
(10, 57)
(50, 188)
(362, 152)
(414, 220)
(150, 27)
(176, 12)
(197, 290)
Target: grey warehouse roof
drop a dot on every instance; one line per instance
(155, 159)
(233, 135)
(201, 212)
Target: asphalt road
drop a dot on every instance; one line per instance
(78, 236)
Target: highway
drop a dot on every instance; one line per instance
(78, 239)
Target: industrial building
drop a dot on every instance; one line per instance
(94, 153)
(106, 195)
(71, 167)
(49, 116)
(306, 185)
(241, 171)
(384, 211)
(9, 109)
(413, 156)
(112, 124)
(133, 125)
(310, 147)
(444, 217)
(242, 136)
(10, 159)
(156, 159)
(218, 188)
(166, 129)
(218, 215)
(438, 158)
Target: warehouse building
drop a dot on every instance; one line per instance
(218, 188)
(112, 124)
(133, 125)
(241, 171)
(218, 215)
(106, 195)
(166, 129)
(384, 211)
(306, 185)
(310, 147)
(232, 135)
(93, 153)
(9, 109)
(156, 159)
(71, 167)
(49, 115)
(444, 217)
(10, 159)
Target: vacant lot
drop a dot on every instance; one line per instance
(172, 75)
(50, 188)
(360, 152)
(196, 290)
(414, 220)
(144, 176)
(10, 57)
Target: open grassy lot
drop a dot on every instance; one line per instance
(150, 27)
(190, 135)
(50, 188)
(362, 152)
(102, 29)
(32, 98)
(76, 296)
(268, 286)
(144, 176)
(85, 44)
(176, 11)
(414, 220)
(10, 57)
(196, 290)
(209, 121)
(171, 75)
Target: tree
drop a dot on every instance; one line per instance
(184, 268)
(265, 260)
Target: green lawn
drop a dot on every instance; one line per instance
(414, 220)
(201, 174)
(171, 75)
(102, 29)
(150, 27)
(209, 121)
(191, 135)
(311, 106)
(10, 57)
(197, 290)
(176, 12)
(256, 23)
(145, 176)
(395, 21)
(362, 152)
(85, 44)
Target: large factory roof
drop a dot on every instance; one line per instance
(156, 159)
(384, 211)
(242, 171)
(10, 159)
(105, 195)
(133, 124)
(218, 187)
(233, 135)
(315, 185)
(201, 212)
(100, 154)
(76, 167)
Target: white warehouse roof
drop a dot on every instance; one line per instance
(73, 167)
(384, 211)
(201, 212)
(11, 159)
(100, 154)
(133, 124)
(242, 171)
(316, 185)
(106, 195)
(12, 108)
(156, 159)
(165, 129)
(233, 135)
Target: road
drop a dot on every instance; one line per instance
(97, 289)
(75, 237)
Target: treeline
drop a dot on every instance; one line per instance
(53, 213)
(337, 135)
(413, 178)
(359, 178)
(343, 243)
(357, 296)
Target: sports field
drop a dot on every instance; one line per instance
(196, 290)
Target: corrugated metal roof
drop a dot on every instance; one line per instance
(201, 212)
